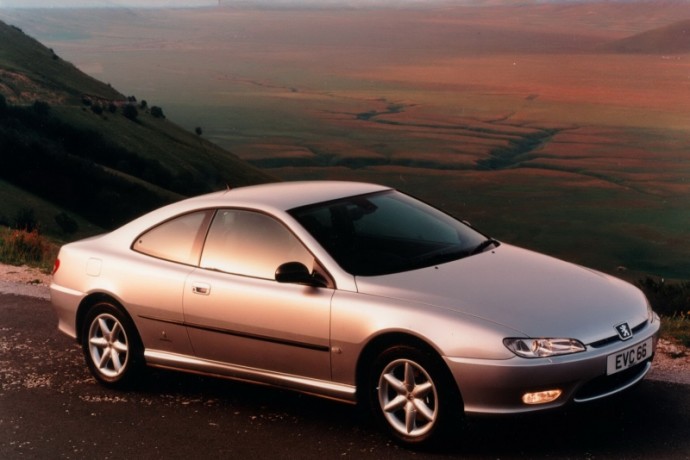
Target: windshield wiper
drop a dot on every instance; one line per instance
(439, 256)
(447, 254)
(483, 245)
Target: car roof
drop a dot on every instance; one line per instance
(287, 195)
(274, 198)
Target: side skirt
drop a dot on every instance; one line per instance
(184, 363)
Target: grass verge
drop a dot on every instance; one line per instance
(677, 328)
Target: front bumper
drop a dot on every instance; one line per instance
(497, 386)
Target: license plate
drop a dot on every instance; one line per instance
(629, 357)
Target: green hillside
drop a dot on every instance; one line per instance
(73, 147)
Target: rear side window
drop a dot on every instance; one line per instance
(177, 240)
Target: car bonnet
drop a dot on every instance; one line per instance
(523, 290)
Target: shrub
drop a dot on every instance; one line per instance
(25, 219)
(19, 247)
(677, 327)
(667, 299)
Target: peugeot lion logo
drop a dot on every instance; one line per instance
(624, 331)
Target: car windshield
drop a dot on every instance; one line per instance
(387, 232)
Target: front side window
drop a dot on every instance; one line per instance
(251, 244)
(176, 240)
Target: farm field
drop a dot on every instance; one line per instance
(539, 124)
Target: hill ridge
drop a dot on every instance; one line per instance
(29, 65)
(74, 146)
(670, 39)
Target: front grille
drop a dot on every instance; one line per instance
(615, 338)
(609, 384)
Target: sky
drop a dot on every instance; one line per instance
(172, 3)
(104, 3)
(201, 3)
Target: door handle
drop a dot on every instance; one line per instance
(201, 288)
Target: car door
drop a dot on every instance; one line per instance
(235, 311)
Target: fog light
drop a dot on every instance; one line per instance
(541, 397)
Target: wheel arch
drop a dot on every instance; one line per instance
(384, 341)
(88, 302)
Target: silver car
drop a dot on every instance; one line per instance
(356, 292)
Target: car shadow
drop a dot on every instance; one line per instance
(640, 422)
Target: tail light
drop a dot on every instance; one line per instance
(56, 265)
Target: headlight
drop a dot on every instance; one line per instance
(650, 313)
(543, 348)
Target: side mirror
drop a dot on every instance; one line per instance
(296, 273)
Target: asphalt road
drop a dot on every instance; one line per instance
(50, 407)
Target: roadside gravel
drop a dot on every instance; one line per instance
(24, 281)
(671, 364)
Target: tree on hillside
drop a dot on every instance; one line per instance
(41, 108)
(130, 111)
(157, 112)
(198, 131)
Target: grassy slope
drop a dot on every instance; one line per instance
(162, 140)
(45, 72)
(30, 72)
(14, 199)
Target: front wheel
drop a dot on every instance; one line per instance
(412, 396)
(111, 345)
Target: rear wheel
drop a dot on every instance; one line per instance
(111, 345)
(411, 395)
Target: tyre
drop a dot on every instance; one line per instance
(111, 345)
(412, 396)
